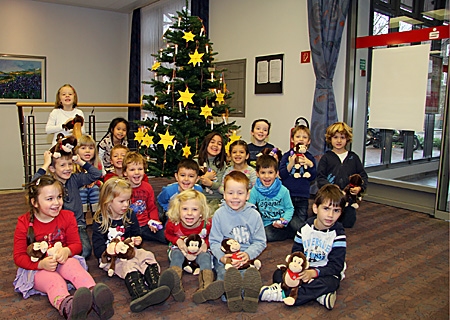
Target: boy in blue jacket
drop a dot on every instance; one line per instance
(273, 201)
(322, 240)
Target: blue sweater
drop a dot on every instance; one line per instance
(298, 187)
(169, 191)
(272, 208)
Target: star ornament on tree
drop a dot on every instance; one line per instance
(166, 139)
(156, 65)
(219, 97)
(139, 135)
(186, 97)
(147, 141)
(196, 57)
(186, 151)
(188, 36)
(234, 137)
(206, 111)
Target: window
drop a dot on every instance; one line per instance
(235, 79)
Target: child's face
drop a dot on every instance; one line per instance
(119, 205)
(135, 172)
(338, 142)
(261, 131)
(190, 213)
(117, 158)
(327, 214)
(67, 96)
(49, 202)
(267, 176)
(86, 153)
(215, 146)
(62, 168)
(119, 132)
(186, 178)
(300, 137)
(236, 194)
(239, 155)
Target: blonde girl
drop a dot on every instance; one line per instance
(114, 219)
(239, 155)
(189, 214)
(65, 110)
(47, 222)
(87, 151)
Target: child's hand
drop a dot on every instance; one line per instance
(243, 259)
(153, 229)
(137, 240)
(278, 224)
(307, 275)
(48, 263)
(211, 175)
(182, 246)
(205, 181)
(47, 160)
(291, 162)
(203, 248)
(355, 190)
(62, 255)
(89, 186)
(79, 161)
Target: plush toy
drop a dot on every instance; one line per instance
(299, 170)
(39, 250)
(75, 125)
(231, 246)
(203, 170)
(296, 263)
(354, 180)
(117, 249)
(193, 243)
(64, 146)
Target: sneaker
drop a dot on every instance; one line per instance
(327, 300)
(271, 293)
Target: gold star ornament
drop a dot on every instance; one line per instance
(196, 57)
(156, 65)
(186, 97)
(189, 36)
(206, 111)
(166, 139)
(219, 97)
(147, 140)
(139, 135)
(234, 137)
(186, 151)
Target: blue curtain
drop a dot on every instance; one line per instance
(134, 82)
(326, 20)
(200, 8)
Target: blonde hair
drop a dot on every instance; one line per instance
(87, 141)
(58, 103)
(111, 189)
(339, 127)
(133, 157)
(175, 205)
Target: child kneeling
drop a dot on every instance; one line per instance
(322, 240)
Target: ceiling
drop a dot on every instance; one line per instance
(122, 6)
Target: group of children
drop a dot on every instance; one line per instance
(249, 205)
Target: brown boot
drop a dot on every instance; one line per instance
(76, 306)
(172, 278)
(208, 289)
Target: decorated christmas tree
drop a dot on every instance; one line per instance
(189, 100)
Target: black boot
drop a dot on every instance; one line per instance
(77, 307)
(141, 296)
(152, 276)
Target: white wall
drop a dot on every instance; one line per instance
(247, 29)
(86, 48)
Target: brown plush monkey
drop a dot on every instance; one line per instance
(117, 249)
(231, 246)
(354, 180)
(296, 263)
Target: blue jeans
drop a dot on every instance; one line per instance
(85, 242)
(148, 235)
(300, 207)
(176, 258)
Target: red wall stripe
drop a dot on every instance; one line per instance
(434, 33)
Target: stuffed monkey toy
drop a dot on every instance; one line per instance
(64, 146)
(354, 180)
(193, 243)
(300, 171)
(231, 246)
(117, 249)
(39, 250)
(296, 263)
(75, 125)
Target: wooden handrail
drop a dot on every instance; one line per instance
(81, 104)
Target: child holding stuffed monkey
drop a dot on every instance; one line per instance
(239, 220)
(338, 164)
(189, 214)
(47, 221)
(293, 174)
(64, 111)
(114, 219)
(323, 242)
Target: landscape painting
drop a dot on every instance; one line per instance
(22, 78)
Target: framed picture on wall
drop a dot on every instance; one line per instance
(22, 78)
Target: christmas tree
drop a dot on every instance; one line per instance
(189, 100)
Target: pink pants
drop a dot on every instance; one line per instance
(53, 283)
